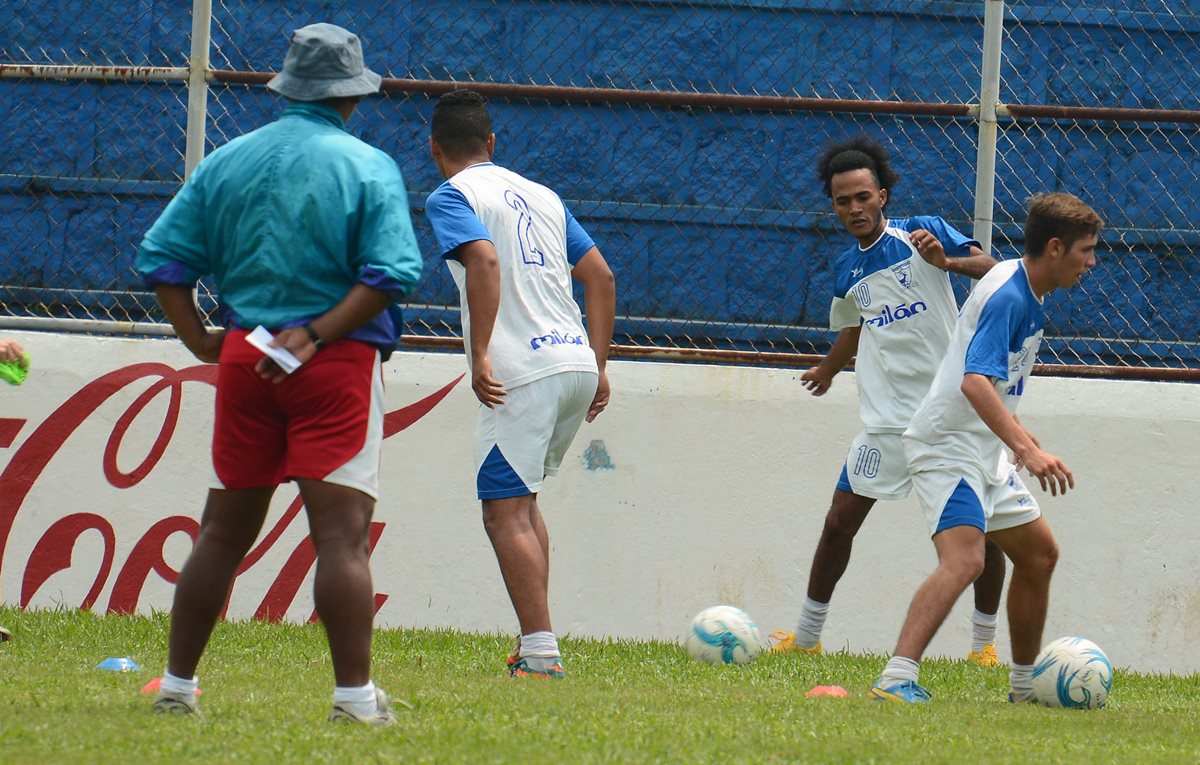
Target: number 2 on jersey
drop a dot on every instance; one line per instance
(529, 251)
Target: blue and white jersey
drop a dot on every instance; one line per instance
(539, 329)
(907, 309)
(997, 336)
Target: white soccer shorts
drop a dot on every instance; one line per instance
(959, 495)
(524, 439)
(876, 467)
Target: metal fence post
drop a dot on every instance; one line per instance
(989, 97)
(198, 84)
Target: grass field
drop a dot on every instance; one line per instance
(268, 687)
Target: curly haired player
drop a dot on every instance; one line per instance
(894, 307)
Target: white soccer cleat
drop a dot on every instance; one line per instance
(171, 703)
(382, 717)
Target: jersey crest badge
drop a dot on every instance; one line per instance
(903, 274)
(1019, 359)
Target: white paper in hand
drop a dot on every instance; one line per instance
(260, 338)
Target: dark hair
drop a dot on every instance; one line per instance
(1058, 215)
(858, 153)
(461, 124)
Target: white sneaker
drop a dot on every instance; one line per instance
(382, 717)
(168, 702)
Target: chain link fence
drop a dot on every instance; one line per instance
(684, 136)
(85, 163)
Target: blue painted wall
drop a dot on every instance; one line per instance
(713, 220)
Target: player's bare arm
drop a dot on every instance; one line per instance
(483, 301)
(1017, 463)
(600, 305)
(819, 379)
(931, 249)
(361, 304)
(1050, 471)
(974, 266)
(179, 305)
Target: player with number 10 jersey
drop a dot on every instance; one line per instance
(894, 308)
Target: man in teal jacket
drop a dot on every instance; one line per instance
(306, 231)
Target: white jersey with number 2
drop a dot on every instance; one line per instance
(538, 330)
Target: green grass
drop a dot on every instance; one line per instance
(268, 688)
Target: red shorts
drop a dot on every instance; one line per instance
(324, 422)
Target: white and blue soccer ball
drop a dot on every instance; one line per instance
(1072, 672)
(723, 635)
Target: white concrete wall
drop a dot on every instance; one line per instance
(719, 482)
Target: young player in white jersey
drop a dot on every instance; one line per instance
(893, 305)
(955, 444)
(513, 248)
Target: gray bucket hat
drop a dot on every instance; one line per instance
(324, 61)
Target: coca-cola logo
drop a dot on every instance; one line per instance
(54, 550)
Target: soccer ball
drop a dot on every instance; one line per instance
(723, 635)
(1072, 672)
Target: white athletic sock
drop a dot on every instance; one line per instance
(540, 650)
(541, 644)
(1020, 680)
(898, 670)
(811, 623)
(172, 684)
(983, 629)
(358, 700)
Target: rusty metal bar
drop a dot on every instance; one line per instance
(626, 352)
(1041, 111)
(649, 98)
(86, 326)
(635, 352)
(805, 360)
(616, 96)
(747, 103)
(101, 73)
(1147, 374)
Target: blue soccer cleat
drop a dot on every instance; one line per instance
(905, 692)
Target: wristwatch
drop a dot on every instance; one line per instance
(312, 335)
